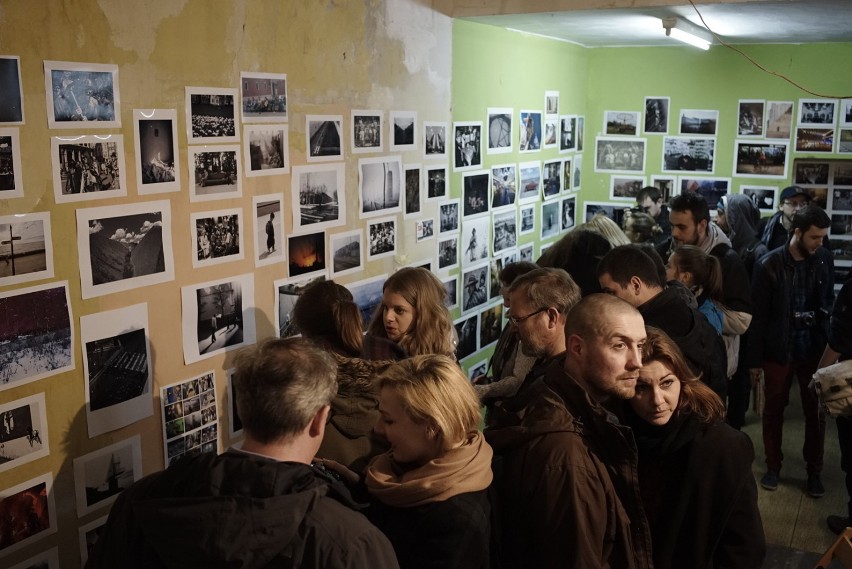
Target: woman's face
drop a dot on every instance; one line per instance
(410, 441)
(397, 314)
(657, 393)
(673, 272)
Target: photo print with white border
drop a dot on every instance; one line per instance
(82, 95)
(318, 196)
(211, 115)
(367, 131)
(157, 165)
(23, 431)
(101, 475)
(12, 173)
(35, 508)
(217, 237)
(263, 97)
(214, 172)
(287, 293)
(379, 186)
(266, 150)
(324, 138)
(268, 230)
(26, 248)
(87, 167)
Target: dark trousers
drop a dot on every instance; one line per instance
(844, 437)
(778, 379)
(739, 392)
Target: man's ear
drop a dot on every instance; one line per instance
(702, 227)
(635, 285)
(574, 345)
(317, 426)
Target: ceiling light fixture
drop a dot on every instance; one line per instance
(686, 32)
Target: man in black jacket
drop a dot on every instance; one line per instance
(264, 505)
(774, 231)
(792, 291)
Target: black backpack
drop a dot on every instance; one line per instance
(702, 340)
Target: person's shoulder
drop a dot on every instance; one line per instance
(722, 441)
(337, 523)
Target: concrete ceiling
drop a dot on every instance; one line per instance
(737, 22)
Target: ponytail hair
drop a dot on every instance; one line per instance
(705, 270)
(327, 314)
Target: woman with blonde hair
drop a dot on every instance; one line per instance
(413, 314)
(609, 229)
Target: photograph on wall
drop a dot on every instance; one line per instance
(551, 132)
(451, 285)
(117, 368)
(403, 130)
(814, 140)
(217, 237)
(526, 252)
(413, 190)
(11, 90)
(475, 239)
(287, 293)
(436, 182)
(656, 115)
(318, 196)
(817, 112)
(625, 187)
(424, 229)
(306, 253)
(504, 185)
(474, 193)
(490, 325)
(843, 173)
(569, 216)
(36, 336)
(81, 93)
(698, 121)
(581, 131)
(614, 211)
(666, 185)
(467, 331)
(711, 189)
(551, 103)
(578, 170)
(845, 113)
(761, 159)
(840, 200)
(263, 97)
(211, 115)
(218, 316)
(347, 252)
(618, 154)
(750, 117)
(434, 140)
(45, 560)
(448, 252)
(550, 219)
(495, 266)
(499, 130)
(268, 230)
(474, 287)
(266, 150)
(88, 167)
(551, 179)
(28, 511)
(841, 225)
(323, 134)
(527, 215)
(468, 145)
(367, 129)
(811, 172)
(124, 247)
(23, 431)
(88, 535)
(529, 130)
(448, 216)
(621, 123)
(567, 133)
(764, 197)
(530, 181)
(190, 417)
(689, 154)
(214, 172)
(157, 166)
(235, 424)
(841, 248)
(381, 238)
(379, 185)
(844, 141)
(101, 475)
(26, 248)
(505, 230)
(819, 196)
(779, 119)
(567, 173)
(11, 170)
(367, 294)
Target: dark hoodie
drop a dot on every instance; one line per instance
(238, 510)
(743, 217)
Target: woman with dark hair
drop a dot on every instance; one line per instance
(641, 228)
(695, 476)
(702, 274)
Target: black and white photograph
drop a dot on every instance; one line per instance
(88, 535)
(28, 511)
(124, 247)
(448, 252)
(448, 216)
(424, 229)
(44, 560)
(699, 121)
(403, 130)
(551, 103)
(214, 172)
(451, 285)
(550, 219)
(619, 154)
(819, 196)
(841, 225)
(530, 181)
(23, 431)
(268, 230)
(499, 130)
(581, 131)
(467, 332)
(495, 266)
(845, 113)
(217, 237)
(764, 197)
(435, 140)
(318, 196)
(347, 252)
(842, 173)
(157, 167)
(625, 187)
(504, 185)
(11, 90)
(26, 248)
(367, 131)
(656, 115)
(779, 119)
(841, 200)
(526, 252)
(211, 115)
(569, 213)
(467, 154)
(324, 138)
(475, 193)
(814, 140)
(490, 325)
(413, 190)
(689, 154)
(218, 316)
(367, 294)
(567, 174)
(621, 123)
(287, 294)
(841, 248)
(844, 141)
(36, 336)
(527, 216)
(567, 133)
(666, 185)
(235, 424)
(551, 132)
(306, 253)
(614, 211)
(551, 179)
(117, 368)
(263, 97)
(474, 287)
(11, 171)
(380, 186)
(811, 172)
(817, 112)
(81, 93)
(711, 189)
(265, 150)
(436, 182)
(101, 475)
(761, 159)
(190, 417)
(475, 239)
(88, 167)
(381, 238)
(578, 171)
(530, 131)
(750, 113)
(477, 369)
(505, 230)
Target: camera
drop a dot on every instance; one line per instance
(804, 319)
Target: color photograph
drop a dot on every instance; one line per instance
(504, 185)
(263, 96)
(190, 417)
(621, 123)
(761, 159)
(306, 253)
(530, 130)
(530, 181)
(367, 294)
(625, 187)
(28, 511)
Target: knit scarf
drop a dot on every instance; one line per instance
(466, 468)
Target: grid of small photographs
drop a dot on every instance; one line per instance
(190, 417)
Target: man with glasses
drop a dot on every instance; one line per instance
(650, 200)
(775, 231)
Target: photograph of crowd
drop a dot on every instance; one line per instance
(814, 139)
(81, 93)
(529, 131)
(100, 476)
(750, 118)
(27, 511)
(264, 97)
(552, 183)
(11, 172)
(306, 253)
(190, 420)
(505, 231)
(448, 252)
(434, 140)
(436, 182)
(695, 121)
(11, 92)
(550, 222)
(211, 115)
(217, 236)
(214, 172)
(412, 190)
(266, 151)
(323, 135)
(504, 185)
(468, 145)
(764, 197)
(474, 287)
(367, 131)
(656, 115)
(404, 130)
(761, 159)
(625, 123)
(318, 196)
(466, 331)
(476, 237)
(530, 181)
(347, 252)
(688, 154)
(382, 238)
(26, 248)
(475, 193)
(779, 119)
(268, 229)
(23, 431)
(567, 133)
(156, 150)
(817, 112)
(616, 154)
(88, 168)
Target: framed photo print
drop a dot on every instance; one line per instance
(24, 433)
(475, 193)
(504, 185)
(306, 254)
(619, 154)
(214, 172)
(779, 119)
(318, 197)
(217, 237)
(690, 154)
(266, 150)
(368, 131)
(157, 167)
(567, 133)
(530, 130)
(11, 171)
(750, 113)
(761, 159)
(436, 182)
(448, 252)
(818, 112)
(505, 225)
(403, 131)
(623, 123)
(268, 230)
(82, 93)
(211, 115)
(413, 190)
(499, 130)
(101, 475)
(434, 140)
(530, 181)
(697, 121)
(764, 197)
(263, 97)
(468, 145)
(527, 215)
(550, 216)
(11, 91)
(448, 216)
(656, 120)
(380, 185)
(26, 248)
(35, 513)
(347, 252)
(625, 187)
(381, 235)
(87, 167)
(324, 140)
